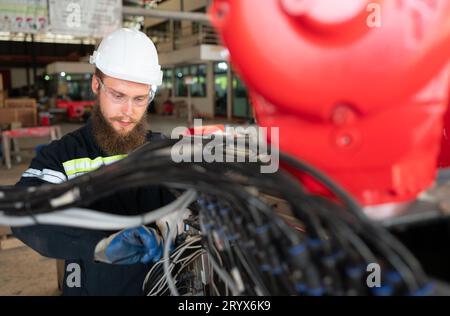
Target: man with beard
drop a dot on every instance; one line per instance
(127, 73)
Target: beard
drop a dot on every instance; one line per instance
(114, 143)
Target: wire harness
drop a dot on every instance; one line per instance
(250, 248)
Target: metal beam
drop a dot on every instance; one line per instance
(170, 15)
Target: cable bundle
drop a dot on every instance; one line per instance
(251, 249)
(182, 257)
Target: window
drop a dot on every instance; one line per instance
(198, 86)
(196, 25)
(221, 87)
(220, 67)
(241, 104)
(159, 32)
(167, 78)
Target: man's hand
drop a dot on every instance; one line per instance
(170, 222)
(129, 246)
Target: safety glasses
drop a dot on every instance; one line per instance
(120, 98)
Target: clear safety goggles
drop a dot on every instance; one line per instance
(120, 98)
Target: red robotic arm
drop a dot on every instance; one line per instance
(358, 88)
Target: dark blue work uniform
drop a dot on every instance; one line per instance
(74, 154)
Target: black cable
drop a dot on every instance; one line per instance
(294, 264)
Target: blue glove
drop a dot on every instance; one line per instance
(130, 246)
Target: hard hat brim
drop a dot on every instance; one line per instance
(155, 79)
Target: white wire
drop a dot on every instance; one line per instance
(224, 276)
(182, 210)
(160, 285)
(192, 258)
(91, 219)
(229, 283)
(213, 285)
(189, 259)
(170, 237)
(163, 281)
(212, 272)
(149, 274)
(175, 255)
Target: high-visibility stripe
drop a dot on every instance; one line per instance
(47, 175)
(70, 177)
(77, 166)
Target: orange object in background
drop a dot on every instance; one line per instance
(45, 119)
(205, 130)
(358, 88)
(75, 109)
(168, 108)
(444, 155)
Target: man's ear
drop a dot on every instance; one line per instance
(94, 84)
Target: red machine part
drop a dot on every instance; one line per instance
(358, 88)
(205, 130)
(75, 109)
(444, 156)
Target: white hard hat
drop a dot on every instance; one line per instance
(128, 54)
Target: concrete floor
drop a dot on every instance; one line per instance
(25, 272)
(22, 270)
